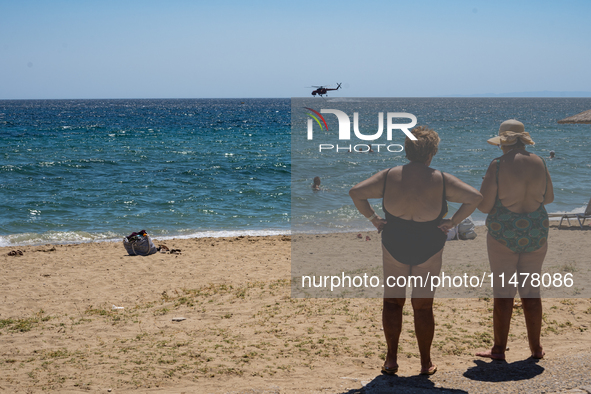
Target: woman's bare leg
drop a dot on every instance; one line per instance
(532, 310)
(502, 261)
(502, 311)
(394, 299)
(424, 329)
(531, 263)
(422, 303)
(392, 323)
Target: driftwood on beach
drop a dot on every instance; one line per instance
(583, 117)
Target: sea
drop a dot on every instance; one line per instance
(74, 171)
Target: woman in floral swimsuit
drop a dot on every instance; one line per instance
(515, 189)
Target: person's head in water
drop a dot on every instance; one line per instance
(316, 184)
(552, 154)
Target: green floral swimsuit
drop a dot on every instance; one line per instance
(520, 232)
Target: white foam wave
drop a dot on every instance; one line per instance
(55, 237)
(576, 210)
(78, 237)
(226, 233)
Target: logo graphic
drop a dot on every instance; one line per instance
(316, 119)
(345, 124)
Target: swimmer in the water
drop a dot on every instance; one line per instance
(316, 184)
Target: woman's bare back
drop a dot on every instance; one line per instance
(414, 192)
(522, 181)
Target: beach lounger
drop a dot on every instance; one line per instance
(578, 216)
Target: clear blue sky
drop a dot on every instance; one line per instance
(203, 49)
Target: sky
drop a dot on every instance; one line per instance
(84, 49)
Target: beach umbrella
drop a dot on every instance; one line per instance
(583, 117)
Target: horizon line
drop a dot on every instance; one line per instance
(530, 94)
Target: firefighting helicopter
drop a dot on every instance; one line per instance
(322, 90)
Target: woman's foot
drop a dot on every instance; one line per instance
(390, 364)
(429, 371)
(393, 370)
(538, 355)
(490, 354)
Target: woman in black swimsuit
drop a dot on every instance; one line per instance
(414, 233)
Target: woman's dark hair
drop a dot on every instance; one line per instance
(424, 146)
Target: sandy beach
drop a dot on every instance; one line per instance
(240, 331)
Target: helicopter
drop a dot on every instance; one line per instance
(321, 90)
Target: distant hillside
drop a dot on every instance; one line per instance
(544, 93)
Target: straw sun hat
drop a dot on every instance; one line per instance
(510, 131)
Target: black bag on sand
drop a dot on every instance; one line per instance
(139, 244)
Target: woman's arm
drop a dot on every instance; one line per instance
(372, 187)
(549, 189)
(458, 191)
(489, 188)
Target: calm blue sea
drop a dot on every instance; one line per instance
(84, 170)
(81, 170)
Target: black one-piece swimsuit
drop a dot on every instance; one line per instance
(410, 242)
